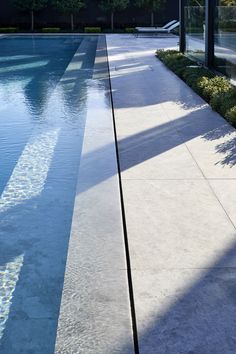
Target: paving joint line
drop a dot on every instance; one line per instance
(211, 188)
(181, 268)
(126, 242)
(163, 179)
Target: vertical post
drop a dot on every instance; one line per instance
(182, 41)
(209, 35)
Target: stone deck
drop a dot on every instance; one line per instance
(178, 162)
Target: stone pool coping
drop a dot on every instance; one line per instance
(95, 309)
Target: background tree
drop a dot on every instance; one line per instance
(228, 2)
(151, 5)
(69, 6)
(113, 6)
(32, 6)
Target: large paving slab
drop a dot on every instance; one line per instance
(178, 169)
(178, 223)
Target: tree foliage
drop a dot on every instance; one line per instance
(113, 5)
(68, 5)
(31, 5)
(228, 2)
(152, 5)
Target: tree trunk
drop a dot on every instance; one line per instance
(152, 19)
(112, 21)
(32, 20)
(72, 22)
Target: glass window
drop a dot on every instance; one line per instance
(195, 29)
(225, 38)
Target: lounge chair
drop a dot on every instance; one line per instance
(169, 24)
(164, 27)
(156, 30)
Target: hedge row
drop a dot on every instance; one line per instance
(92, 29)
(57, 29)
(214, 89)
(50, 29)
(8, 29)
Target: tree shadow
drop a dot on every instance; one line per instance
(227, 148)
(182, 311)
(138, 148)
(141, 72)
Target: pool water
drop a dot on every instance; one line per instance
(44, 85)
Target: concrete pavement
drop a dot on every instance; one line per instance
(178, 163)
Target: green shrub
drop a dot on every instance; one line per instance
(176, 61)
(51, 29)
(227, 25)
(200, 84)
(8, 29)
(231, 116)
(193, 75)
(162, 54)
(92, 29)
(215, 89)
(213, 86)
(129, 30)
(224, 101)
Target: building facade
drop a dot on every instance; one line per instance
(208, 33)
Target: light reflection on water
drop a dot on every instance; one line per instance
(12, 68)
(9, 274)
(30, 173)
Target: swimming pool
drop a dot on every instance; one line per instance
(44, 88)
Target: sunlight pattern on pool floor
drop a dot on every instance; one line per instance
(30, 173)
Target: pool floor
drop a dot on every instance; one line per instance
(41, 134)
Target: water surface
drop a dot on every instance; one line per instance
(44, 84)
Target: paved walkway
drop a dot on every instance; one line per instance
(178, 162)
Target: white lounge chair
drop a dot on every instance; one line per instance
(156, 30)
(169, 24)
(164, 27)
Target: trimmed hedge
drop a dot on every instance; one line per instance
(214, 89)
(92, 29)
(231, 115)
(228, 25)
(51, 29)
(129, 30)
(8, 29)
